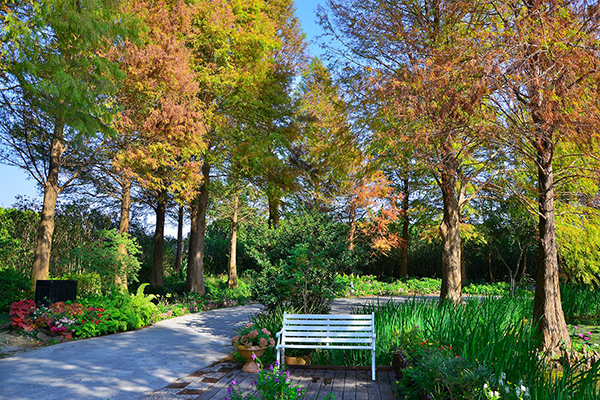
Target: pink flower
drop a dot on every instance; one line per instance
(266, 332)
(235, 340)
(271, 342)
(254, 334)
(263, 342)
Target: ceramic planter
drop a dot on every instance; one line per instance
(247, 353)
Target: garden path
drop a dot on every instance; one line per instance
(125, 365)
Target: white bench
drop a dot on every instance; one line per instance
(323, 331)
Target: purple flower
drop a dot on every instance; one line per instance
(575, 327)
(229, 390)
(234, 382)
(277, 362)
(586, 338)
(271, 367)
(589, 333)
(276, 380)
(253, 356)
(581, 335)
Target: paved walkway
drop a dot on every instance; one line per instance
(132, 364)
(122, 366)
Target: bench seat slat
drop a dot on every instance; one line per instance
(325, 322)
(325, 340)
(289, 334)
(331, 347)
(328, 316)
(328, 328)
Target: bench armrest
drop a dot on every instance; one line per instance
(278, 336)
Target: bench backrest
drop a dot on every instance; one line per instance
(324, 329)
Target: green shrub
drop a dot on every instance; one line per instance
(303, 281)
(580, 301)
(88, 283)
(14, 287)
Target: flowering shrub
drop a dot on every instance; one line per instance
(251, 335)
(502, 389)
(272, 384)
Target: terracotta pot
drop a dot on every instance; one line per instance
(67, 335)
(247, 352)
(302, 360)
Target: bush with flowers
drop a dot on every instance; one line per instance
(251, 335)
(272, 384)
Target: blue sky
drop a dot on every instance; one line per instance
(14, 181)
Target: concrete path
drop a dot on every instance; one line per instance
(123, 366)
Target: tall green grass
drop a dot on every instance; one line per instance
(580, 301)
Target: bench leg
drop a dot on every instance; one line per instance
(373, 364)
(278, 351)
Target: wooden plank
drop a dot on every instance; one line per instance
(223, 383)
(350, 386)
(221, 392)
(361, 385)
(373, 387)
(316, 380)
(338, 384)
(327, 385)
(296, 374)
(387, 378)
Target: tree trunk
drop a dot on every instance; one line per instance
(156, 278)
(233, 280)
(405, 222)
(179, 254)
(273, 212)
(463, 265)
(450, 229)
(492, 280)
(195, 270)
(352, 232)
(121, 278)
(41, 259)
(547, 308)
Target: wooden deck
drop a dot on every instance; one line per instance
(344, 384)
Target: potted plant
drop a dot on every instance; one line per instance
(298, 356)
(252, 341)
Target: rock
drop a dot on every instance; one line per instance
(43, 337)
(10, 349)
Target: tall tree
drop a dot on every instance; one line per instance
(55, 82)
(162, 123)
(547, 69)
(423, 63)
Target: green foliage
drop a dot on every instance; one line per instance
(271, 384)
(368, 285)
(107, 258)
(88, 283)
(488, 289)
(18, 230)
(580, 301)
(578, 236)
(117, 312)
(302, 281)
(15, 286)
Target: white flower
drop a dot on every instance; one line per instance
(485, 386)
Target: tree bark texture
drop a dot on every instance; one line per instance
(179, 254)
(405, 222)
(233, 279)
(547, 308)
(195, 271)
(41, 259)
(156, 278)
(450, 229)
(121, 279)
(352, 232)
(273, 212)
